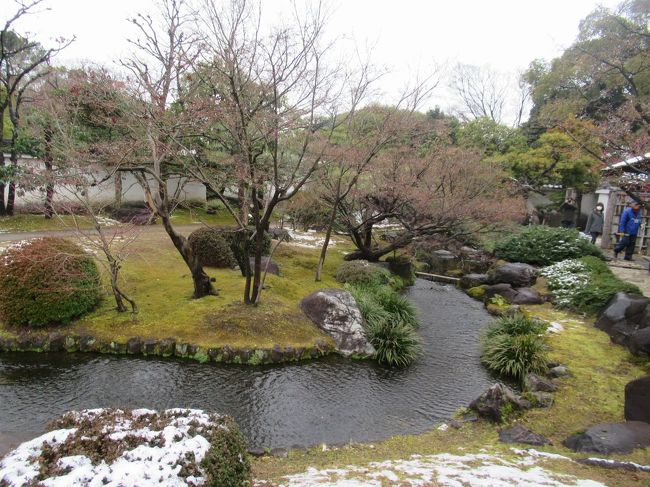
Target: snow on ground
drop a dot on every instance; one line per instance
(309, 239)
(445, 470)
(139, 448)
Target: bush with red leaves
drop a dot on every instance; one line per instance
(47, 281)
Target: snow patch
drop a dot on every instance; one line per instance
(172, 439)
(443, 469)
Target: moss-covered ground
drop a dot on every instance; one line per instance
(157, 278)
(593, 393)
(28, 222)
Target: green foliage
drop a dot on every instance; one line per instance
(586, 284)
(390, 322)
(517, 324)
(362, 272)
(397, 306)
(212, 249)
(47, 281)
(557, 158)
(489, 136)
(514, 356)
(515, 346)
(226, 463)
(601, 287)
(542, 245)
(397, 344)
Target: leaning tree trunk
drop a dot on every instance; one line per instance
(202, 282)
(11, 193)
(328, 233)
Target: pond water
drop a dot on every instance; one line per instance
(332, 400)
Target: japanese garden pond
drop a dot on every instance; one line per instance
(331, 400)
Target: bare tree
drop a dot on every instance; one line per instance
(157, 120)
(277, 101)
(447, 191)
(482, 91)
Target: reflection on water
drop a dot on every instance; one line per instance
(332, 400)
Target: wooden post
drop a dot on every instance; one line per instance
(606, 239)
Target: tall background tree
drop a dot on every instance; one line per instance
(22, 62)
(603, 78)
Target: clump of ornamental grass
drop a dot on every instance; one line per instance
(390, 323)
(514, 347)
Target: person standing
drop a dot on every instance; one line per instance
(628, 228)
(595, 223)
(568, 213)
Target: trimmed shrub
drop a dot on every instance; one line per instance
(397, 344)
(212, 249)
(47, 281)
(226, 463)
(542, 245)
(362, 272)
(514, 356)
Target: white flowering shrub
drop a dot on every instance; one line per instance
(565, 279)
(586, 284)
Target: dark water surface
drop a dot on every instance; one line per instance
(332, 400)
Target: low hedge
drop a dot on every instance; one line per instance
(47, 281)
(542, 245)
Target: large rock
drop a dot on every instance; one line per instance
(639, 343)
(268, 264)
(473, 280)
(443, 261)
(280, 234)
(504, 290)
(609, 438)
(515, 273)
(497, 401)
(536, 383)
(520, 434)
(527, 295)
(623, 308)
(336, 313)
(637, 400)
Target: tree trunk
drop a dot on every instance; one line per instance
(118, 189)
(49, 174)
(2, 163)
(202, 282)
(13, 157)
(243, 203)
(328, 233)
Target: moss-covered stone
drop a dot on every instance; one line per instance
(477, 292)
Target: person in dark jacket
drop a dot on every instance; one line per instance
(628, 229)
(595, 223)
(568, 213)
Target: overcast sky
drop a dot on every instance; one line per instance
(406, 35)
